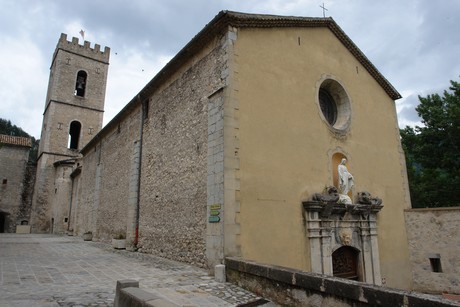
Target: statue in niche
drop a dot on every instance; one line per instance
(346, 183)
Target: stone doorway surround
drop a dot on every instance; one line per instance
(331, 226)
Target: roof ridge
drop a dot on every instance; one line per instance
(16, 140)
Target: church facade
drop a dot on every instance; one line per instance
(233, 150)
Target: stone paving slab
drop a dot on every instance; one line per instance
(47, 270)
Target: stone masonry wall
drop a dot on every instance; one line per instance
(434, 233)
(289, 287)
(101, 205)
(83, 213)
(26, 196)
(173, 214)
(61, 198)
(44, 183)
(13, 165)
(117, 152)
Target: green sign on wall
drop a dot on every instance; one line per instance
(214, 219)
(215, 207)
(214, 213)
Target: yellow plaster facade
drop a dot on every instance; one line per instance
(286, 147)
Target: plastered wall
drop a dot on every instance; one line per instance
(286, 147)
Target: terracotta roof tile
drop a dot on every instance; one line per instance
(15, 140)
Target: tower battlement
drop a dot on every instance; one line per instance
(85, 49)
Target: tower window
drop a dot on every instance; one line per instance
(74, 134)
(80, 85)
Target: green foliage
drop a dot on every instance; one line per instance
(432, 151)
(7, 128)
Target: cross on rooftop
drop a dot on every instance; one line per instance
(324, 9)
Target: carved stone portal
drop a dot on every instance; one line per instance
(343, 237)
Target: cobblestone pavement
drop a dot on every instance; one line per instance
(47, 270)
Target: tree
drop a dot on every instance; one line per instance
(433, 151)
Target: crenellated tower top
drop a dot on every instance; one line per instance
(85, 49)
(74, 104)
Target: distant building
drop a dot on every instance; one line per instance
(16, 184)
(227, 150)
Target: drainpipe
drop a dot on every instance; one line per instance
(138, 201)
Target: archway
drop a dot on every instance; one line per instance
(74, 134)
(345, 262)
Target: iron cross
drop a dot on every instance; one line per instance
(324, 9)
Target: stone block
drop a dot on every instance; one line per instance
(159, 303)
(125, 283)
(219, 273)
(134, 297)
(22, 228)
(119, 243)
(122, 284)
(278, 274)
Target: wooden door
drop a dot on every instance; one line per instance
(345, 262)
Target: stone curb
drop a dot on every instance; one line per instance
(129, 294)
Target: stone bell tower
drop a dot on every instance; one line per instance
(73, 114)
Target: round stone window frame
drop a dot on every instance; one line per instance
(342, 101)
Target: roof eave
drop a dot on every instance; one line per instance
(225, 19)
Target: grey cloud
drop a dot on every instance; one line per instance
(413, 43)
(163, 25)
(408, 113)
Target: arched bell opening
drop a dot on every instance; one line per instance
(74, 134)
(80, 84)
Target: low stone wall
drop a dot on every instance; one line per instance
(129, 294)
(297, 288)
(434, 240)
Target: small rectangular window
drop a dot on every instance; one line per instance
(5, 181)
(435, 262)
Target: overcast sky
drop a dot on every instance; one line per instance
(414, 44)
